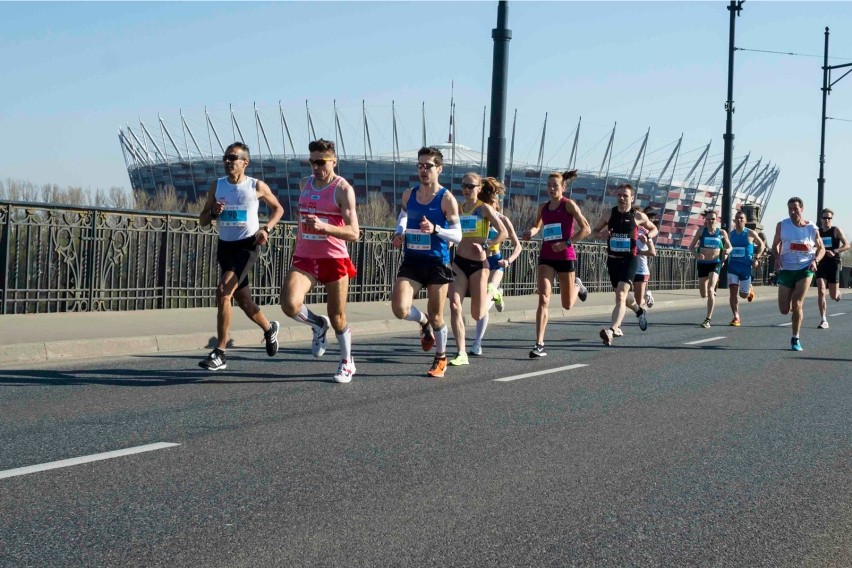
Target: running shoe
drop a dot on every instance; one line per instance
(439, 366)
(537, 351)
(215, 361)
(751, 294)
(823, 325)
(345, 371)
(617, 333)
(643, 319)
(649, 299)
(839, 295)
(427, 338)
(476, 350)
(735, 322)
(318, 344)
(459, 359)
(706, 323)
(497, 294)
(270, 336)
(582, 292)
(502, 305)
(607, 335)
(795, 344)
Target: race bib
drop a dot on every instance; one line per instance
(826, 242)
(310, 235)
(552, 232)
(800, 247)
(468, 224)
(619, 244)
(233, 216)
(712, 242)
(738, 252)
(417, 240)
(492, 233)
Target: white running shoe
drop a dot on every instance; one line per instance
(643, 319)
(823, 325)
(582, 292)
(345, 371)
(617, 332)
(607, 335)
(475, 350)
(649, 299)
(318, 344)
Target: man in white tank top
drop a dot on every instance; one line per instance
(233, 202)
(797, 249)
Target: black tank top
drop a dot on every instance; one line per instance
(824, 234)
(622, 239)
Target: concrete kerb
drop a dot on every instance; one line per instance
(28, 353)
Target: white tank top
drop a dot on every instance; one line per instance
(797, 245)
(239, 219)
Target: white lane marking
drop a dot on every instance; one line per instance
(784, 324)
(840, 314)
(84, 459)
(537, 373)
(705, 340)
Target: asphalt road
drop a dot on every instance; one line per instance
(656, 452)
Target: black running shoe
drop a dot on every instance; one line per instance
(270, 336)
(537, 351)
(215, 361)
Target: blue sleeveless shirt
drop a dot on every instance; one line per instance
(421, 245)
(743, 250)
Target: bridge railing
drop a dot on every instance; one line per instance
(72, 259)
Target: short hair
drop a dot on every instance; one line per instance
(740, 212)
(433, 153)
(796, 200)
(708, 212)
(625, 186)
(827, 210)
(322, 146)
(238, 146)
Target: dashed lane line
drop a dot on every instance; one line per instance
(538, 373)
(840, 314)
(84, 459)
(708, 340)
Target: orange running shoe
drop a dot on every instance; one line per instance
(439, 365)
(735, 322)
(427, 337)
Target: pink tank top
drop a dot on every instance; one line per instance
(322, 204)
(557, 225)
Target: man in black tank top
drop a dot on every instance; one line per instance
(619, 228)
(828, 269)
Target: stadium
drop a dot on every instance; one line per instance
(676, 182)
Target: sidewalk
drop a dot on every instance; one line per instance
(31, 338)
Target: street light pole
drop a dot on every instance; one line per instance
(735, 7)
(827, 84)
(496, 158)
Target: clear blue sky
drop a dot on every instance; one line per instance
(75, 72)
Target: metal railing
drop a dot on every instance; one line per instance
(72, 259)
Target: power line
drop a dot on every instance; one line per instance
(786, 53)
(840, 119)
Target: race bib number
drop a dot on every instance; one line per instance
(552, 232)
(233, 216)
(826, 242)
(738, 252)
(492, 233)
(712, 242)
(468, 224)
(310, 235)
(417, 240)
(800, 247)
(619, 244)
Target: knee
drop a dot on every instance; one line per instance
(567, 303)
(338, 322)
(400, 310)
(456, 306)
(543, 299)
(223, 297)
(289, 307)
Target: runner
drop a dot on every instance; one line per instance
(233, 202)
(428, 221)
(828, 271)
(469, 263)
(652, 216)
(619, 227)
(644, 248)
(556, 221)
(740, 262)
(709, 244)
(497, 264)
(327, 219)
(798, 250)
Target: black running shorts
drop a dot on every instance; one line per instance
(237, 257)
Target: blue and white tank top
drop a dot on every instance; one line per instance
(239, 219)
(418, 243)
(743, 250)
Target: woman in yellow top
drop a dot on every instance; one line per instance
(470, 266)
(497, 264)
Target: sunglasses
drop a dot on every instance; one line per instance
(710, 219)
(320, 162)
(426, 166)
(470, 185)
(828, 218)
(231, 157)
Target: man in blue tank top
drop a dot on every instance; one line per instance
(740, 262)
(428, 222)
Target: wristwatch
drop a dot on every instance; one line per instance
(568, 243)
(434, 229)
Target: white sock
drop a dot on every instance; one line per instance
(481, 326)
(441, 340)
(344, 339)
(416, 315)
(307, 316)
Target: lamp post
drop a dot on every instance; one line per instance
(735, 7)
(496, 163)
(827, 83)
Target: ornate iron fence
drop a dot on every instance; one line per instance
(67, 259)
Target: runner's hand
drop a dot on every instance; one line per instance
(396, 241)
(313, 223)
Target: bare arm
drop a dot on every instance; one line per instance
(517, 247)
(844, 244)
(643, 221)
(761, 246)
(726, 242)
(396, 241)
(820, 251)
(536, 227)
(776, 246)
(210, 206)
(603, 222)
(496, 222)
(652, 248)
(276, 211)
(344, 196)
(583, 230)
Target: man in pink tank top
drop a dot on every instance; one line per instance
(327, 219)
